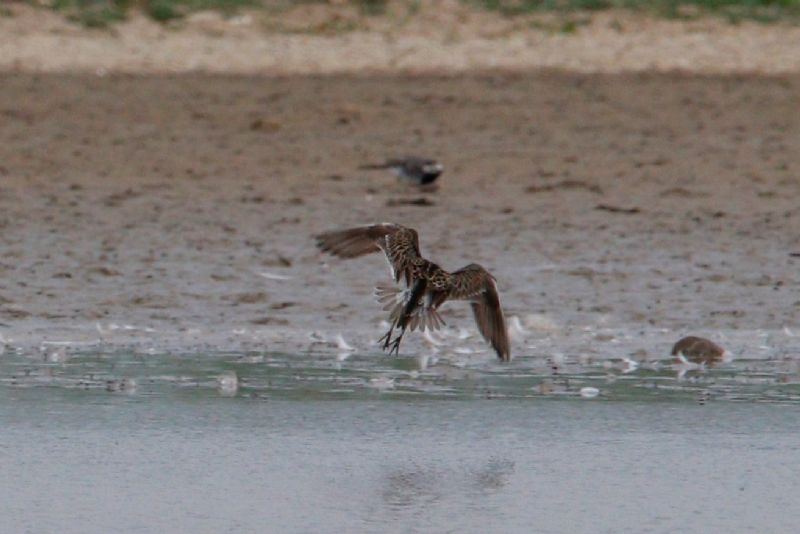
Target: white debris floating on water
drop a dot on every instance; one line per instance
(589, 392)
(625, 365)
(274, 276)
(228, 384)
(55, 354)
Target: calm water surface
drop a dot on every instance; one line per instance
(319, 443)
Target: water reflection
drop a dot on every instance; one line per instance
(417, 486)
(494, 475)
(412, 487)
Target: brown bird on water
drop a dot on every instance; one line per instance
(698, 350)
(427, 286)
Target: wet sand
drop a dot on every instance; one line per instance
(177, 211)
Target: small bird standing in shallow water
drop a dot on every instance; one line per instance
(420, 171)
(427, 286)
(698, 350)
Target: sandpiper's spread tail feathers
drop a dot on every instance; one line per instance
(421, 171)
(394, 299)
(427, 286)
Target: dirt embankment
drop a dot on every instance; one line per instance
(443, 37)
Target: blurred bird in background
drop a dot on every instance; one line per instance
(419, 171)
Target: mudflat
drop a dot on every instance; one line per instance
(179, 210)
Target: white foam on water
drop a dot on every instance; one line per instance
(431, 338)
(381, 383)
(424, 361)
(341, 344)
(684, 366)
(515, 328)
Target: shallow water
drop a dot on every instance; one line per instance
(610, 363)
(317, 442)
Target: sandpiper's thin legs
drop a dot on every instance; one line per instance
(395, 345)
(402, 321)
(387, 338)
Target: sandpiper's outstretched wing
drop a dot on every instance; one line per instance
(474, 283)
(400, 244)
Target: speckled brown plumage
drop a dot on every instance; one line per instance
(427, 286)
(698, 350)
